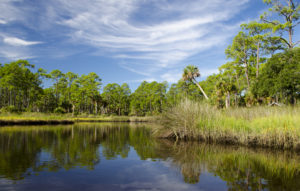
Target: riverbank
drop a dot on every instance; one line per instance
(53, 119)
(275, 127)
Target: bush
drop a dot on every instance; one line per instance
(9, 109)
(59, 110)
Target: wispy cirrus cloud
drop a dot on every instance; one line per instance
(172, 34)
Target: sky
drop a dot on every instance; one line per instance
(123, 41)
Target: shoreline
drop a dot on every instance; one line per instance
(35, 122)
(227, 142)
(15, 120)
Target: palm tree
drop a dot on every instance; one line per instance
(190, 73)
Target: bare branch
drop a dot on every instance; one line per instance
(292, 3)
(270, 22)
(285, 42)
(296, 24)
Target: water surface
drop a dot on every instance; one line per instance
(115, 156)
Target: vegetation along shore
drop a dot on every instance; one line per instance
(43, 119)
(276, 127)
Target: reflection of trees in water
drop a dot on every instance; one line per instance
(78, 146)
(67, 147)
(18, 152)
(241, 168)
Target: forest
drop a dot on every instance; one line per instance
(263, 68)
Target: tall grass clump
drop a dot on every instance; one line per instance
(183, 120)
(277, 127)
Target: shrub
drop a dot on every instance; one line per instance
(9, 109)
(59, 110)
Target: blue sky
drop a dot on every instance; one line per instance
(123, 40)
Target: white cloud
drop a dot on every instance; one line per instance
(15, 53)
(13, 48)
(2, 21)
(153, 178)
(9, 12)
(19, 42)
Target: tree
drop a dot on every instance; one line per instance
(19, 86)
(289, 13)
(56, 75)
(230, 80)
(112, 96)
(280, 77)
(125, 98)
(149, 98)
(190, 73)
(257, 32)
(90, 85)
(240, 52)
(225, 87)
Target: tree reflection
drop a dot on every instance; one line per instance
(23, 150)
(241, 168)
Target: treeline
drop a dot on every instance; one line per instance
(21, 90)
(263, 67)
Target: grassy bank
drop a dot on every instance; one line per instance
(42, 118)
(277, 127)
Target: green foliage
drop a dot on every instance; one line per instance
(59, 110)
(182, 90)
(117, 98)
(280, 77)
(9, 109)
(149, 98)
(190, 73)
(19, 86)
(289, 14)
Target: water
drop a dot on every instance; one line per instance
(111, 156)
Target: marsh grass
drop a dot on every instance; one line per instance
(43, 118)
(277, 127)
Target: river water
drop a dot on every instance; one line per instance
(116, 156)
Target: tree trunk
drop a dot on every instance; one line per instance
(237, 82)
(257, 60)
(73, 110)
(227, 101)
(200, 89)
(72, 132)
(247, 75)
(95, 135)
(291, 45)
(96, 107)
(235, 100)
(150, 106)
